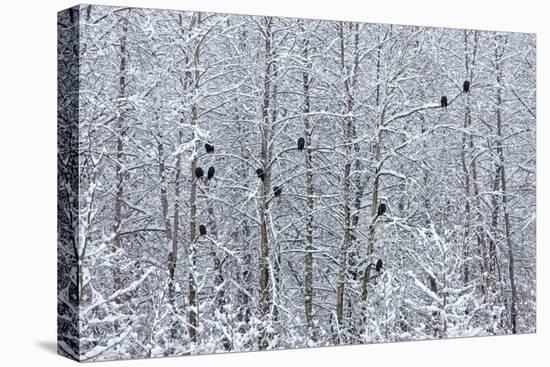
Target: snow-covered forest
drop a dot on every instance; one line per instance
(241, 183)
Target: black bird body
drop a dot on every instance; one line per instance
(466, 86)
(433, 284)
(261, 174)
(379, 265)
(301, 144)
(202, 230)
(209, 148)
(211, 172)
(277, 190)
(199, 172)
(381, 209)
(444, 102)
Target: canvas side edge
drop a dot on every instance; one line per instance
(68, 335)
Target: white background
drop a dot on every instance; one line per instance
(28, 181)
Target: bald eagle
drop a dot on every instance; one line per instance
(301, 144)
(199, 172)
(202, 230)
(466, 86)
(379, 264)
(444, 102)
(209, 148)
(381, 209)
(211, 172)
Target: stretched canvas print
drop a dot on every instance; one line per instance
(241, 183)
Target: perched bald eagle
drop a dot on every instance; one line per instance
(209, 148)
(466, 86)
(444, 102)
(261, 174)
(379, 264)
(211, 172)
(301, 144)
(199, 172)
(381, 209)
(202, 230)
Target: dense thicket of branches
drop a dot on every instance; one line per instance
(171, 263)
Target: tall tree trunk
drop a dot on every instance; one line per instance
(345, 189)
(275, 267)
(219, 296)
(507, 223)
(358, 182)
(350, 79)
(471, 168)
(163, 193)
(193, 297)
(175, 237)
(170, 237)
(494, 268)
(466, 136)
(376, 184)
(309, 192)
(121, 134)
(265, 157)
(120, 131)
(193, 313)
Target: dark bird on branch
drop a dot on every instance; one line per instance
(433, 284)
(211, 172)
(301, 144)
(444, 102)
(379, 264)
(261, 174)
(381, 209)
(199, 172)
(277, 190)
(466, 86)
(202, 230)
(209, 148)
